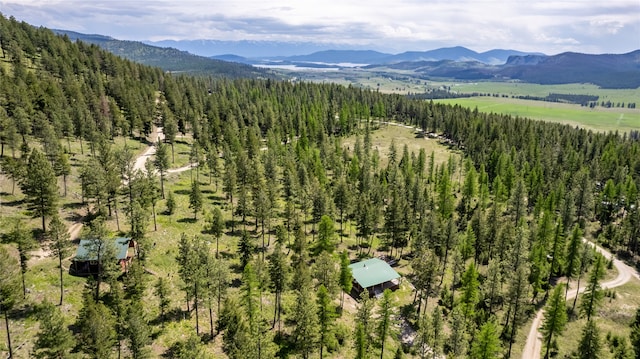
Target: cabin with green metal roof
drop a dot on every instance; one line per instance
(85, 262)
(374, 275)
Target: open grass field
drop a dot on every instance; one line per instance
(597, 119)
(522, 89)
(381, 141)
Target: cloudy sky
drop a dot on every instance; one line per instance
(590, 26)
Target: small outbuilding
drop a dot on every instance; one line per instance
(85, 263)
(374, 275)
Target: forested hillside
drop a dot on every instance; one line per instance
(171, 59)
(245, 254)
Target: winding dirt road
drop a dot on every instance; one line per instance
(76, 228)
(150, 151)
(533, 346)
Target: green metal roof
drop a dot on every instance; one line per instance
(86, 251)
(372, 272)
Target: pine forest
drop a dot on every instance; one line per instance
(247, 202)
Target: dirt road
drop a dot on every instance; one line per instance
(533, 346)
(150, 151)
(76, 228)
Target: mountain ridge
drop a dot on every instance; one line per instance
(458, 62)
(169, 59)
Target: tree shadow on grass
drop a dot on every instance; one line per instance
(73, 205)
(187, 220)
(14, 203)
(172, 316)
(218, 200)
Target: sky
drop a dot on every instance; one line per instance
(551, 27)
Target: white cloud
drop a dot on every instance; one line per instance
(541, 25)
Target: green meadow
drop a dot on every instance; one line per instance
(597, 119)
(523, 89)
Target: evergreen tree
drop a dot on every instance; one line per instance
(572, 262)
(423, 337)
(470, 295)
(216, 226)
(191, 348)
(9, 289)
(195, 198)
(342, 200)
(555, 319)
(492, 286)
(445, 194)
(346, 277)
(385, 312)
(138, 331)
(96, 324)
(246, 248)
(590, 346)
(486, 345)
(436, 332)
(458, 339)
(635, 334)
(583, 189)
(54, 340)
(118, 306)
(326, 235)
(593, 293)
(518, 202)
(326, 273)
(59, 246)
(62, 167)
(23, 239)
(218, 281)
(233, 324)
(278, 272)
(306, 332)
(40, 187)
(557, 251)
(171, 203)
(135, 281)
(213, 164)
(164, 300)
(364, 326)
(161, 163)
(517, 297)
(586, 257)
(326, 317)
(424, 271)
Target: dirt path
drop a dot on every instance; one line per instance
(533, 346)
(76, 228)
(150, 151)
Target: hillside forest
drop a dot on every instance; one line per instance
(245, 254)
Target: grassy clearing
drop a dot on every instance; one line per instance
(523, 89)
(598, 119)
(401, 136)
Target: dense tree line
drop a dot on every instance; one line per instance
(486, 234)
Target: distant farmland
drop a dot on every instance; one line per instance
(597, 119)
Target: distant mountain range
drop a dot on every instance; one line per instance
(171, 59)
(606, 70)
(250, 49)
(367, 57)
